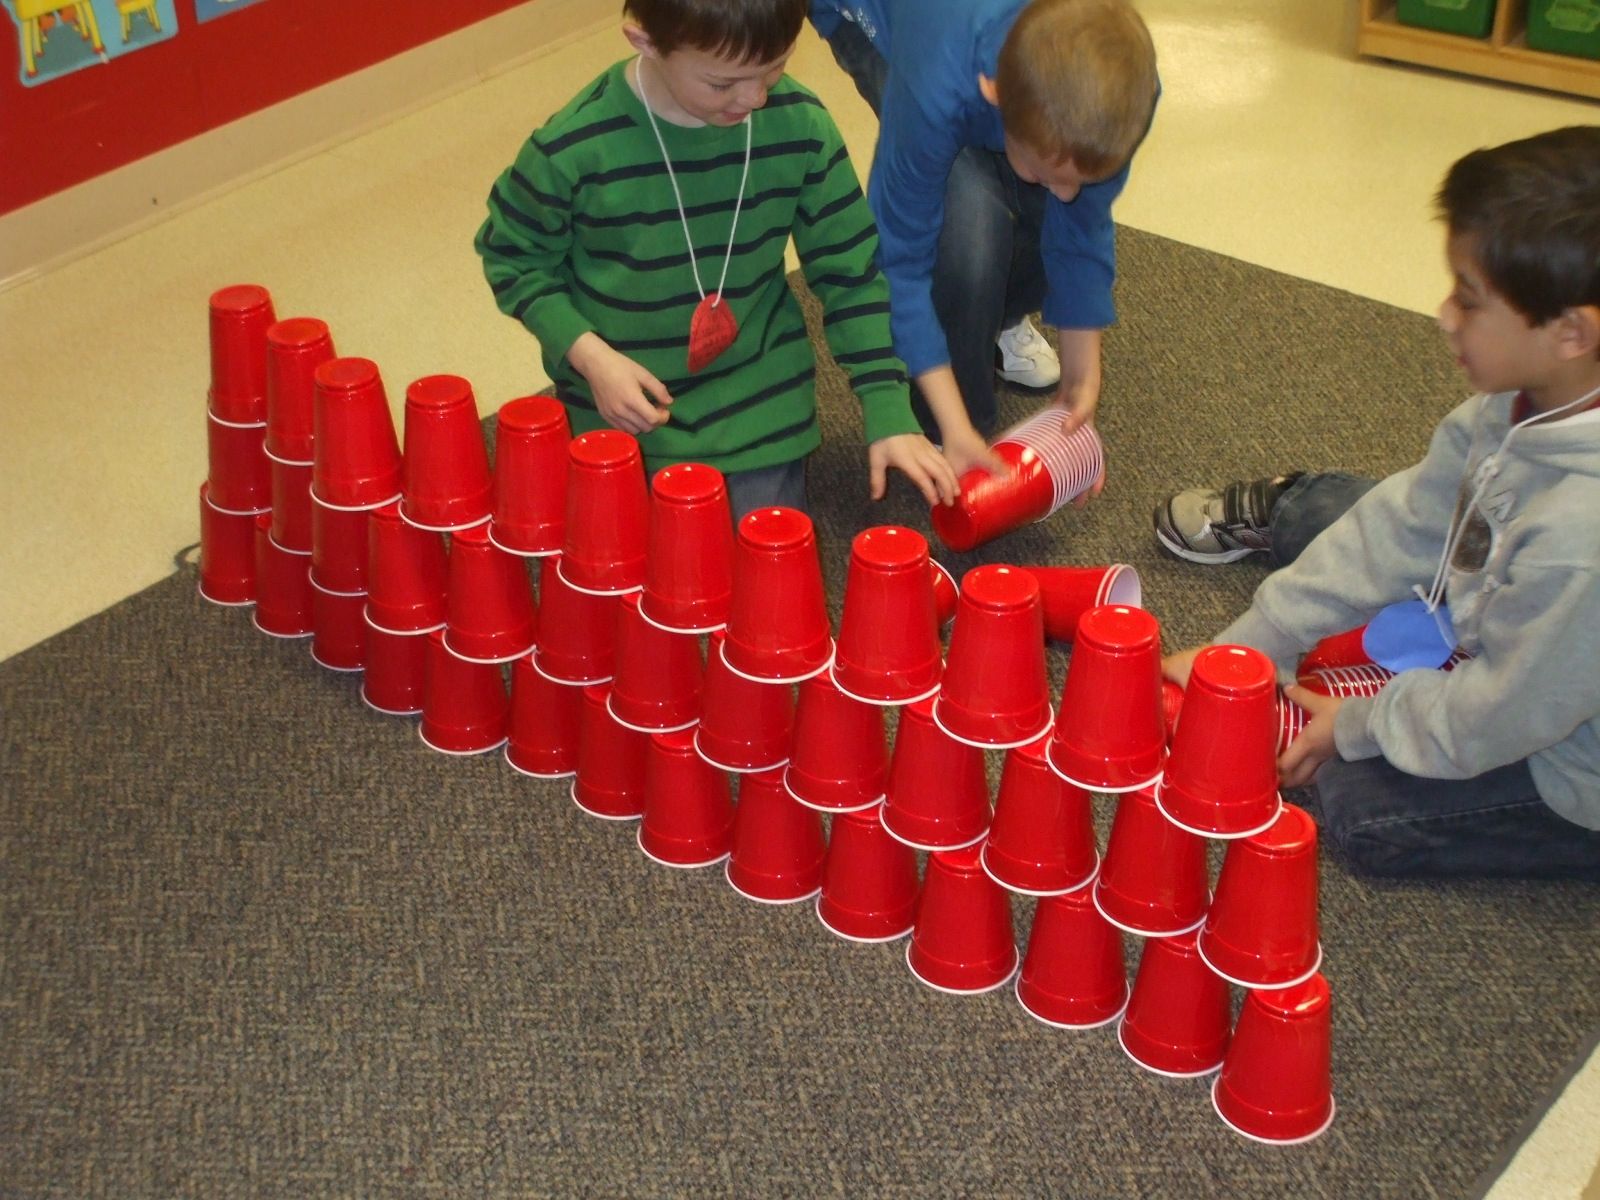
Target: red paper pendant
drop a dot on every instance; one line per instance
(711, 331)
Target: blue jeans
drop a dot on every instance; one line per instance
(1386, 822)
(988, 272)
(784, 484)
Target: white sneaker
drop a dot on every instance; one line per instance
(1027, 359)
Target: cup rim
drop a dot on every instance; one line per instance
(851, 937)
(1127, 995)
(1016, 964)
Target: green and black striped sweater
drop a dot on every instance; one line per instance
(583, 233)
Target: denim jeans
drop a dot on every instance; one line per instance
(1386, 822)
(784, 484)
(988, 272)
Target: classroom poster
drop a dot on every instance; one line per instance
(209, 10)
(57, 37)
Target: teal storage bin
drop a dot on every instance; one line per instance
(1470, 18)
(1565, 27)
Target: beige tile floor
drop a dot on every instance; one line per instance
(1273, 144)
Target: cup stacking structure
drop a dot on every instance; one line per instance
(888, 650)
(1153, 879)
(465, 709)
(1066, 593)
(839, 753)
(688, 811)
(1276, 1083)
(1346, 649)
(577, 631)
(291, 505)
(611, 761)
(778, 844)
(962, 940)
(1221, 779)
(338, 628)
(778, 619)
(995, 693)
(1178, 1014)
(688, 578)
(407, 574)
(489, 608)
(1261, 931)
(339, 544)
(746, 726)
(227, 554)
(1358, 679)
(1110, 735)
(946, 593)
(937, 797)
(396, 671)
(1042, 840)
(544, 729)
(869, 880)
(1291, 717)
(1073, 974)
(237, 467)
(283, 586)
(355, 454)
(296, 347)
(530, 476)
(240, 316)
(445, 480)
(659, 674)
(607, 514)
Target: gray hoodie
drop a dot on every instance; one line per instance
(1524, 593)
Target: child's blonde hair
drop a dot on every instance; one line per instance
(1077, 80)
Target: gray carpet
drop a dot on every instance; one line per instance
(256, 940)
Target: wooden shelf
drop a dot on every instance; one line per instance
(1503, 55)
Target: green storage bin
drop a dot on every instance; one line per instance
(1565, 26)
(1471, 18)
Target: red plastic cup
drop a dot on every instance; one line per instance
(778, 845)
(1110, 735)
(778, 622)
(1347, 649)
(1153, 879)
(465, 709)
(937, 797)
(296, 347)
(338, 631)
(396, 669)
(962, 941)
(1042, 840)
(1171, 707)
(489, 610)
(1291, 717)
(659, 674)
(1358, 679)
(445, 480)
(607, 514)
(240, 317)
(1066, 593)
(838, 756)
(545, 726)
(227, 554)
(355, 454)
(688, 580)
(994, 692)
(1073, 975)
(869, 880)
(1276, 1083)
(1178, 1013)
(744, 726)
(238, 469)
(688, 813)
(888, 651)
(1261, 931)
(339, 547)
(1222, 776)
(283, 586)
(577, 634)
(530, 476)
(291, 505)
(407, 574)
(945, 592)
(611, 762)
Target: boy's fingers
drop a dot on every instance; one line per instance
(880, 481)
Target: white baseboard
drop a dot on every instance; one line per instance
(49, 232)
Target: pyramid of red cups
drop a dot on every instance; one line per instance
(666, 654)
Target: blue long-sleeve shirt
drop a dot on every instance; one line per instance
(932, 109)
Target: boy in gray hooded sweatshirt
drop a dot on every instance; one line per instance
(1493, 767)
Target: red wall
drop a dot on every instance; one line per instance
(83, 124)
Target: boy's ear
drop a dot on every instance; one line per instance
(990, 90)
(639, 39)
(1578, 331)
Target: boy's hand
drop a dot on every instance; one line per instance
(1315, 745)
(921, 463)
(626, 395)
(1176, 667)
(1079, 391)
(965, 449)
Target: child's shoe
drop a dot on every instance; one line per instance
(1027, 358)
(1208, 526)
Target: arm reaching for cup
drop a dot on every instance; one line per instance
(963, 446)
(921, 463)
(629, 397)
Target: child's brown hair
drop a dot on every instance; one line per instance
(751, 31)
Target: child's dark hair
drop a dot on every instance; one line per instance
(1532, 208)
(751, 31)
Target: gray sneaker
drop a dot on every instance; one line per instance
(1208, 526)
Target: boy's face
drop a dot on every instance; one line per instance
(711, 88)
(1061, 179)
(1493, 342)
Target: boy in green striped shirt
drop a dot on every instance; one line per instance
(640, 236)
